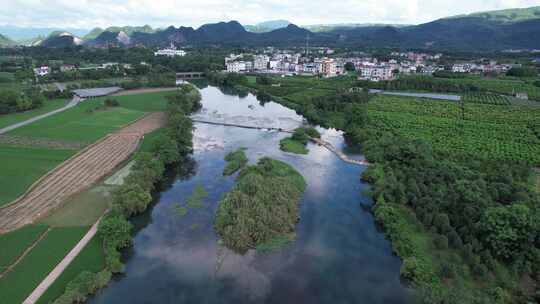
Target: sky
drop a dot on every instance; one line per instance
(87, 14)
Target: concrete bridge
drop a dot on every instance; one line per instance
(317, 141)
(189, 75)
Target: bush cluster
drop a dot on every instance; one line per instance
(262, 206)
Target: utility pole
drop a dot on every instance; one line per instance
(307, 45)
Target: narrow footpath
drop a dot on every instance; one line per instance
(75, 101)
(57, 271)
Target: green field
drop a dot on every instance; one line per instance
(488, 132)
(23, 166)
(148, 140)
(16, 285)
(88, 122)
(83, 209)
(91, 259)
(145, 102)
(6, 77)
(48, 106)
(13, 244)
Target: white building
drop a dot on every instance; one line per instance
(462, 68)
(170, 52)
(329, 68)
(261, 62)
(273, 64)
(42, 71)
(376, 73)
(236, 66)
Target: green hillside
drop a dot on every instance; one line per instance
(508, 15)
(5, 41)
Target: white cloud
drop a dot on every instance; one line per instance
(91, 13)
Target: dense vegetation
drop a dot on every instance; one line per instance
(134, 196)
(453, 189)
(12, 101)
(456, 85)
(262, 207)
(298, 141)
(236, 160)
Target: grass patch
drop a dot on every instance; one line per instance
(292, 146)
(276, 243)
(298, 141)
(13, 244)
(235, 161)
(83, 209)
(48, 106)
(144, 102)
(91, 258)
(23, 166)
(180, 210)
(149, 139)
(86, 122)
(195, 201)
(25, 277)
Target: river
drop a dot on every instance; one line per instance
(338, 256)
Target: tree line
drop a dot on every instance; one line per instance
(480, 217)
(12, 101)
(135, 195)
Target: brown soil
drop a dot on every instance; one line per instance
(146, 90)
(77, 173)
(41, 142)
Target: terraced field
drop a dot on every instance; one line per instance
(76, 174)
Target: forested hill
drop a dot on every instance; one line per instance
(5, 41)
(488, 31)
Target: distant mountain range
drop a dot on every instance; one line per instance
(267, 26)
(5, 41)
(17, 33)
(496, 30)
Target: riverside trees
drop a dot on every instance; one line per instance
(134, 196)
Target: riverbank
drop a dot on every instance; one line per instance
(445, 253)
(148, 170)
(177, 256)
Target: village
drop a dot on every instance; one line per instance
(322, 62)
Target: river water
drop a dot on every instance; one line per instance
(338, 256)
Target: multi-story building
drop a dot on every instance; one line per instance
(328, 68)
(170, 52)
(376, 72)
(261, 62)
(236, 66)
(462, 68)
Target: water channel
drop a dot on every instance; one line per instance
(338, 256)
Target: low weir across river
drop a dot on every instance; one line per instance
(318, 141)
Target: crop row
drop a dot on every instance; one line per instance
(491, 99)
(481, 140)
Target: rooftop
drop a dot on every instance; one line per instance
(96, 92)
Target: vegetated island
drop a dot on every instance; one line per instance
(298, 141)
(262, 208)
(236, 160)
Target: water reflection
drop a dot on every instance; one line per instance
(337, 257)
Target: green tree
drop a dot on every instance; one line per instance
(508, 230)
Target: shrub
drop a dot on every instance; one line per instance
(441, 242)
(111, 102)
